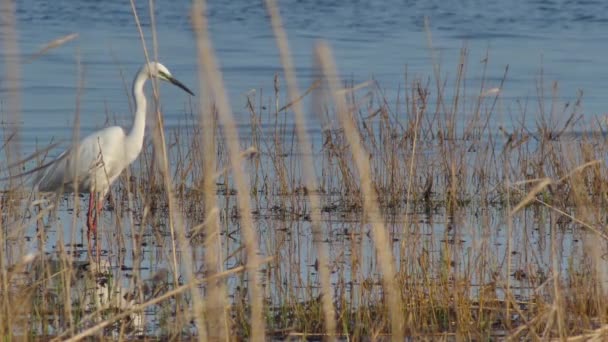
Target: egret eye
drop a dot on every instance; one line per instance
(163, 75)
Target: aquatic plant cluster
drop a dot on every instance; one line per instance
(443, 214)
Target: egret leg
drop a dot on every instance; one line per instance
(98, 208)
(90, 221)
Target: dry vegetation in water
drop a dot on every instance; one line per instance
(418, 217)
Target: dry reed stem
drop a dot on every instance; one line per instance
(175, 220)
(510, 218)
(308, 165)
(579, 168)
(11, 79)
(11, 82)
(531, 195)
(52, 45)
(599, 334)
(381, 239)
(32, 156)
(67, 276)
(216, 85)
(130, 202)
(409, 219)
(558, 304)
(248, 153)
(155, 95)
(312, 87)
(217, 301)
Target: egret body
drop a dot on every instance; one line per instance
(98, 159)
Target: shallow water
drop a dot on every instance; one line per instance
(466, 245)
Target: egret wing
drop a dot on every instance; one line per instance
(87, 165)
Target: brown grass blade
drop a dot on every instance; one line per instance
(52, 45)
(176, 223)
(531, 196)
(11, 82)
(218, 317)
(308, 164)
(381, 239)
(216, 86)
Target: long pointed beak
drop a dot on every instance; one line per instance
(180, 84)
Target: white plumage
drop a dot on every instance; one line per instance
(97, 160)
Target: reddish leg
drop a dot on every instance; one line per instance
(90, 219)
(98, 208)
(99, 205)
(95, 204)
(91, 224)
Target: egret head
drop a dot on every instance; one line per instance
(155, 69)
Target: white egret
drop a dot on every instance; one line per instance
(98, 159)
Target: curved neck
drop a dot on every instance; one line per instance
(136, 134)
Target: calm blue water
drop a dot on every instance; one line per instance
(372, 38)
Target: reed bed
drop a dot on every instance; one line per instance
(336, 213)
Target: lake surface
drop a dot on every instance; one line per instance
(371, 39)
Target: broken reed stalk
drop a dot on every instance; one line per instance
(216, 87)
(176, 225)
(52, 45)
(381, 239)
(309, 174)
(217, 301)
